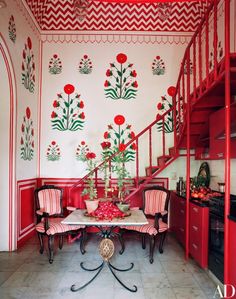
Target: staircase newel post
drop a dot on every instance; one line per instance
(150, 147)
(215, 39)
(174, 124)
(227, 143)
(137, 163)
(200, 58)
(163, 136)
(207, 48)
(188, 157)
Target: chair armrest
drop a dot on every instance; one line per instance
(158, 216)
(42, 213)
(69, 208)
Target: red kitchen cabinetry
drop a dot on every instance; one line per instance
(198, 233)
(177, 217)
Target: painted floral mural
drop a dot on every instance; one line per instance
(158, 66)
(28, 66)
(164, 105)
(27, 137)
(121, 80)
(68, 110)
(12, 29)
(55, 65)
(53, 152)
(81, 151)
(85, 65)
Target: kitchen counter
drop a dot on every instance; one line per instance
(197, 202)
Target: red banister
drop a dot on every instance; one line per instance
(194, 70)
(200, 58)
(137, 163)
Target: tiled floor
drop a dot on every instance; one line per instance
(26, 274)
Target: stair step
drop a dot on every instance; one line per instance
(162, 160)
(173, 151)
(151, 170)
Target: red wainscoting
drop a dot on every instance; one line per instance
(25, 210)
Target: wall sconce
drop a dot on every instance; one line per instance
(81, 7)
(3, 4)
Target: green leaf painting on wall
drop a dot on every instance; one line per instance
(163, 106)
(85, 65)
(158, 66)
(68, 111)
(53, 152)
(55, 65)
(28, 67)
(121, 79)
(12, 29)
(27, 137)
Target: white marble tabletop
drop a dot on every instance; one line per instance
(78, 217)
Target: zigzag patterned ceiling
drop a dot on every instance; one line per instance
(61, 15)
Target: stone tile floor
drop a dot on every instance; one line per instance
(26, 274)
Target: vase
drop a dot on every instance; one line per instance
(123, 207)
(91, 205)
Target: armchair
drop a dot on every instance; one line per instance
(155, 207)
(49, 213)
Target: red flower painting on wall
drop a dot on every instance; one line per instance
(68, 114)
(121, 82)
(27, 138)
(28, 66)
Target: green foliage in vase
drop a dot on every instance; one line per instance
(67, 113)
(121, 80)
(90, 190)
(27, 138)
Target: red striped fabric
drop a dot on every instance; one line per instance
(49, 201)
(55, 227)
(149, 228)
(154, 202)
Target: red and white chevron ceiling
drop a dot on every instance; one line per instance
(110, 16)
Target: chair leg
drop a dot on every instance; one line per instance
(162, 239)
(41, 243)
(50, 248)
(82, 240)
(61, 239)
(122, 243)
(143, 241)
(152, 246)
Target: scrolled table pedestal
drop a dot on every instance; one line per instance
(106, 250)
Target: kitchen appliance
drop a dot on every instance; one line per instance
(216, 234)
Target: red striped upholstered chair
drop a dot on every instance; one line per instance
(155, 207)
(49, 211)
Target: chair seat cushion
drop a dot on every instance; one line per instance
(148, 228)
(56, 227)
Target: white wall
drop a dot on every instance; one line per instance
(21, 169)
(100, 111)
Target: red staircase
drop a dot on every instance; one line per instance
(200, 91)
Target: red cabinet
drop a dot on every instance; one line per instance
(177, 217)
(198, 233)
(232, 254)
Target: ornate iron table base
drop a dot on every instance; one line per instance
(99, 268)
(106, 249)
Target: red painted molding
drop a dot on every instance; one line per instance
(25, 210)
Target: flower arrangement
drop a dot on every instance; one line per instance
(116, 137)
(106, 145)
(91, 164)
